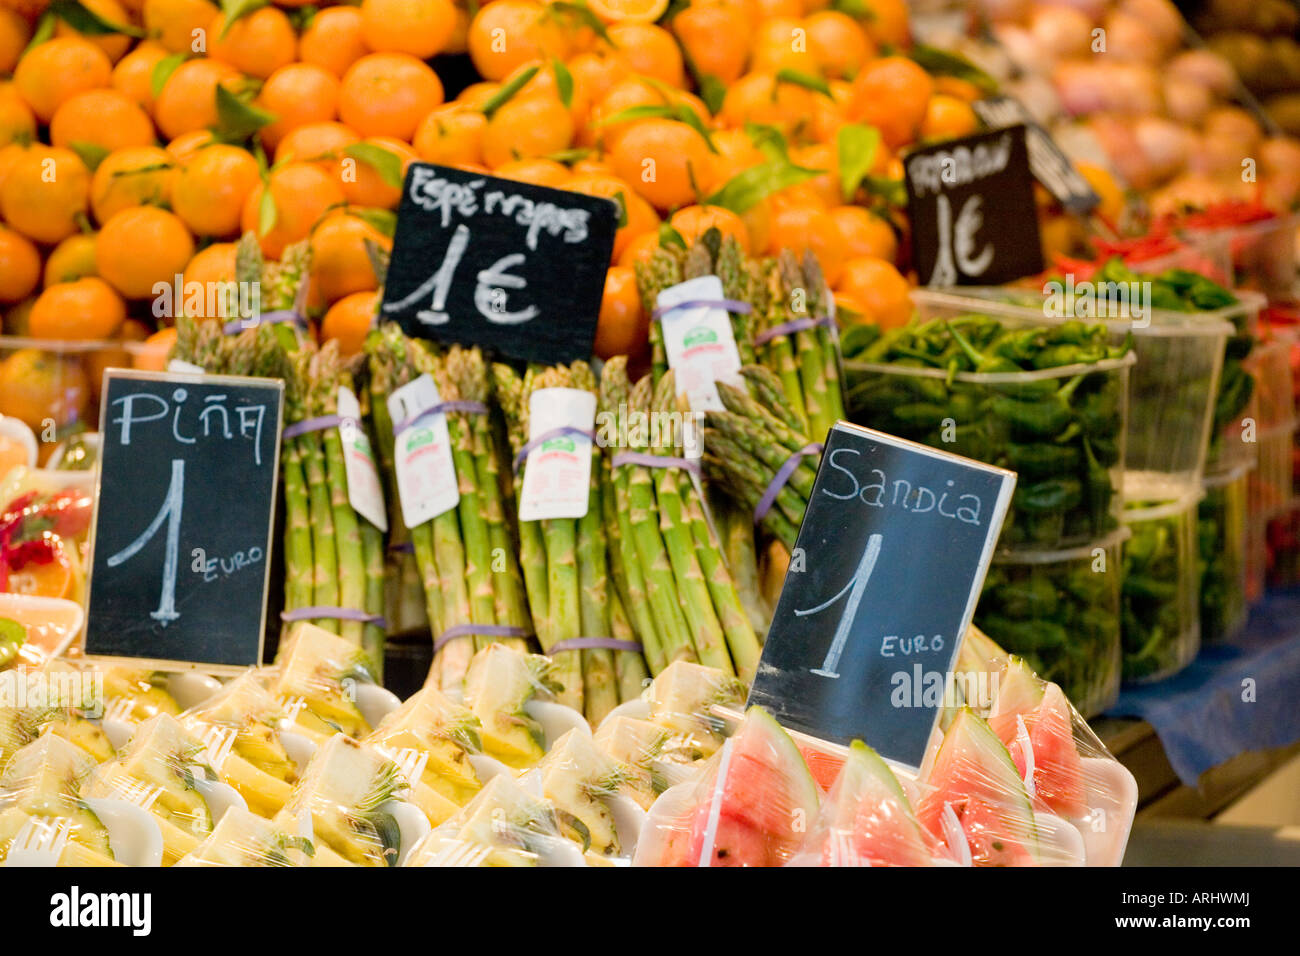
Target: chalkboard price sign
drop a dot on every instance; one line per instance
(513, 267)
(883, 582)
(183, 519)
(1047, 162)
(971, 206)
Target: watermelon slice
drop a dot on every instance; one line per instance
(753, 807)
(867, 820)
(1049, 738)
(1020, 691)
(823, 765)
(974, 775)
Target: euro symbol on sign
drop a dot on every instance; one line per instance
(498, 277)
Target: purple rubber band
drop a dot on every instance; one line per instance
(470, 630)
(402, 547)
(793, 326)
(456, 405)
(268, 318)
(334, 614)
(317, 425)
(731, 305)
(781, 477)
(595, 644)
(547, 436)
(655, 461)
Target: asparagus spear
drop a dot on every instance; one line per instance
(509, 391)
(811, 357)
(635, 489)
(631, 668)
(551, 544)
(730, 268)
(663, 269)
(508, 600)
(473, 521)
(298, 566)
(737, 532)
(561, 539)
(452, 660)
(778, 351)
(325, 583)
(710, 642)
(600, 693)
(627, 573)
(819, 301)
(347, 530)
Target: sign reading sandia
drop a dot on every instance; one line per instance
(882, 585)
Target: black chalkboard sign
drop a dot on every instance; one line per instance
(883, 582)
(970, 203)
(513, 267)
(183, 519)
(1047, 162)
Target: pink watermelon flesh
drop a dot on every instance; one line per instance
(974, 774)
(766, 803)
(869, 815)
(1058, 772)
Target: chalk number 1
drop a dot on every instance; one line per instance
(854, 589)
(172, 507)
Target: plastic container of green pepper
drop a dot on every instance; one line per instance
(1221, 535)
(1160, 614)
(1060, 428)
(1173, 388)
(1060, 610)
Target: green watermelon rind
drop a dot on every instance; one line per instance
(1020, 690)
(788, 752)
(868, 761)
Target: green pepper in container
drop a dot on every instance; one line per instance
(1047, 402)
(1221, 545)
(1160, 613)
(1060, 610)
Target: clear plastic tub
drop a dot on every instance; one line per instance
(1221, 542)
(1060, 611)
(1160, 607)
(1172, 388)
(53, 387)
(1260, 255)
(1061, 429)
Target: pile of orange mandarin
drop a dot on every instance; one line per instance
(139, 139)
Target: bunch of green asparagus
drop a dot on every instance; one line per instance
(787, 328)
(746, 445)
(566, 566)
(666, 560)
(466, 556)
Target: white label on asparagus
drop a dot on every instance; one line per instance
(557, 473)
(699, 343)
(365, 492)
(426, 475)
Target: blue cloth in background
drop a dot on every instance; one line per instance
(1199, 714)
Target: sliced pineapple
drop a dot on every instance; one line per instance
(504, 825)
(42, 780)
(137, 694)
(157, 770)
(683, 697)
(344, 790)
(315, 671)
(431, 739)
(243, 839)
(579, 779)
(639, 746)
(500, 682)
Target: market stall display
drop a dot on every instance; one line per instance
(577, 561)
